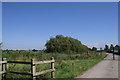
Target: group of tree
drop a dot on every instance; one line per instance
(94, 49)
(66, 44)
(111, 48)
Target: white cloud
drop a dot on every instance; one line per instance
(99, 45)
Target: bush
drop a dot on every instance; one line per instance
(63, 44)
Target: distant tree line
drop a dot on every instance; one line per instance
(110, 48)
(94, 49)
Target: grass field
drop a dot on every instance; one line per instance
(66, 65)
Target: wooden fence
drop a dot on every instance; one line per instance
(33, 64)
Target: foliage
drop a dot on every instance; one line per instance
(63, 44)
(106, 48)
(94, 49)
(111, 47)
(66, 65)
(116, 47)
(34, 50)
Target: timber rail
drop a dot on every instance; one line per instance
(33, 64)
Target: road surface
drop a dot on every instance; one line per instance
(107, 68)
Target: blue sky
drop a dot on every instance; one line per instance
(28, 25)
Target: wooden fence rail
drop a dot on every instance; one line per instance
(33, 64)
(4, 67)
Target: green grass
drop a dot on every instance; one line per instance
(71, 68)
(66, 65)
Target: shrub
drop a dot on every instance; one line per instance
(63, 44)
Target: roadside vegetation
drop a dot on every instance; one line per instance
(66, 65)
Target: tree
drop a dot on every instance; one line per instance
(116, 47)
(34, 50)
(65, 44)
(111, 47)
(94, 49)
(0, 45)
(106, 48)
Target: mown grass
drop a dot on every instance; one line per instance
(66, 65)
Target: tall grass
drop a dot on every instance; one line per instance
(66, 65)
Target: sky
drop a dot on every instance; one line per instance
(28, 25)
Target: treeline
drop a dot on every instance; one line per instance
(112, 48)
(62, 44)
(65, 44)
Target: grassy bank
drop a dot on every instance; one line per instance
(66, 65)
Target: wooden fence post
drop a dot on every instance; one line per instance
(4, 68)
(33, 69)
(52, 67)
